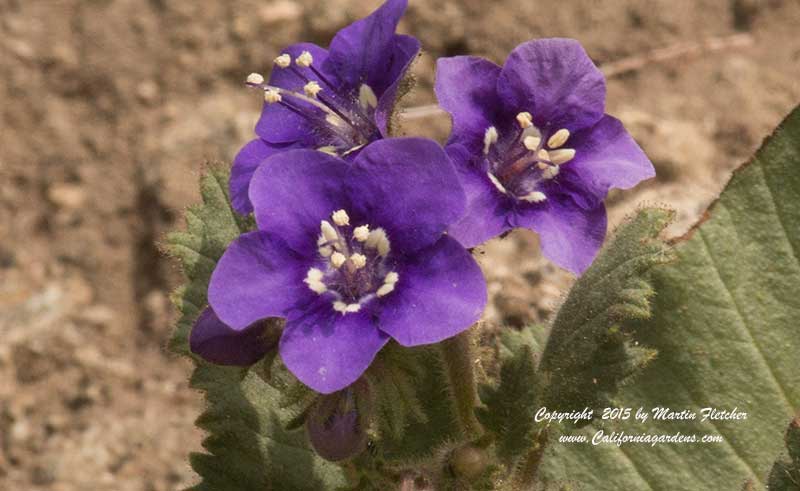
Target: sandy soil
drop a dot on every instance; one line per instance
(109, 108)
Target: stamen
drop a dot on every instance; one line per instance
(314, 281)
(562, 156)
(391, 278)
(558, 138)
(542, 165)
(543, 155)
(255, 79)
(385, 289)
(489, 139)
(283, 60)
(532, 142)
(337, 259)
(334, 120)
(496, 183)
(329, 149)
(525, 120)
(530, 131)
(325, 251)
(534, 197)
(312, 89)
(361, 233)
(377, 240)
(272, 96)
(304, 60)
(550, 172)
(366, 97)
(341, 218)
(344, 308)
(328, 231)
(358, 260)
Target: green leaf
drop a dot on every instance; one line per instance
(724, 321)
(785, 474)
(510, 406)
(588, 353)
(248, 445)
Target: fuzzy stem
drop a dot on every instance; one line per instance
(528, 471)
(458, 359)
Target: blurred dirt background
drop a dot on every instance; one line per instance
(109, 108)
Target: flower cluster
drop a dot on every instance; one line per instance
(362, 237)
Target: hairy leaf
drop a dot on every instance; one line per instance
(725, 325)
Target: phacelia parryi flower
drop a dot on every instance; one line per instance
(534, 148)
(335, 100)
(351, 254)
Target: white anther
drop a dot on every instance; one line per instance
(325, 251)
(383, 246)
(312, 89)
(358, 260)
(542, 165)
(341, 218)
(374, 237)
(391, 278)
(534, 197)
(255, 79)
(353, 307)
(344, 308)
(366, 97)
(272, 96)
(558, 138)
(530, 131)
(550, 172)
(385, 289)
(532, 142)
(543, 155)
(361, 233)
(304, 60)
(525, 120)
(337, 259)
(314, 281)
(562, 155)
(329, 149)
(328, 232)
(334, 120)
(489, 139)
(283, 60)
(496, 183)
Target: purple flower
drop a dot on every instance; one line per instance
(335, 100)
(534, 148)
(217, 343)
(351, 254)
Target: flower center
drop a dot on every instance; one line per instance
(343, 120)
(524, 159)
(355, 269)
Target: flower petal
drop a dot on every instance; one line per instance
(362, 52)
(328, 351)
(217, 343)
(294, 191)
(570, 235)
(441, 292)
(556, 82)
(407, 186)
(404, 53)
(487, 209)
(606, 157)
(244, 166)
(466, 88)
(258, 276)
(278, 124)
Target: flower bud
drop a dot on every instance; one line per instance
(468, 462)
(337, 423)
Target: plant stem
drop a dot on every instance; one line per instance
(458, 362)
(526, 474)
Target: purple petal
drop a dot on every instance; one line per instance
(337, 424)
(294, 191)
(279, 124)
(217, 343)
(407, 186)
(259, 276)
(487, 209)
(244, 165)
(328, 351)
(556, 82)
(606, 157)
(441, 292)
(570, 235)
(361, 52)
(405, 52)
(466, 88)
